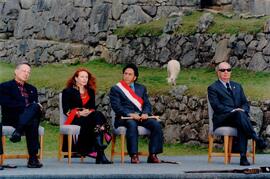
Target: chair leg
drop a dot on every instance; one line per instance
(4, 149)
(253, 151)
(61, 136)
(41, 148)
(230, 149)
(113, 147)
(226, 147)
(210, 147)
(3, 140)
(122, 147)
(69, 148)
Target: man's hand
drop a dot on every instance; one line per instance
(135, 116)
(144, 117)
(238, 109)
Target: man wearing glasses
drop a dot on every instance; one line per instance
(231, 108)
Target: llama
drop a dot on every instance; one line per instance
(173, 69)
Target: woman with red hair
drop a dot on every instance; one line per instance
(78, 101)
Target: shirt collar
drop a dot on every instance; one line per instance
(224, 83)
(132, 86)
(19, 84)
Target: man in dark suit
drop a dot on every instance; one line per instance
(231, 108)
(130, 99)
(20, 109)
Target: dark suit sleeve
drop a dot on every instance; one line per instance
(115, 100)
(6, 98)
(244, 101)
(147, 107)
(215, 102)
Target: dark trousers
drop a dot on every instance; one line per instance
(28, 123)
(156, 136)
(87, 138)
(1, 147)
(245, 131)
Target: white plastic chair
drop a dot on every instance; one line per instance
(72, 131)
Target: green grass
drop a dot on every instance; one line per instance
(153, 28)
(256, 84)
(221, 25)
(234, 26)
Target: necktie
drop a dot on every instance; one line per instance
(229, 89)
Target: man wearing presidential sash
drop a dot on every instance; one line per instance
(130, 99)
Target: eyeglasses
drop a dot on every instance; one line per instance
(223, 70)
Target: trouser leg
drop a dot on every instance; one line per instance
(243, 123)
(132, 137)
(31, 130)
(156, 136)
(245, 130)
(32, 111)
(1, 147)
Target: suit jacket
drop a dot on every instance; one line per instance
(223, 102)
(12, 102)
(122, 106)
(71, 99)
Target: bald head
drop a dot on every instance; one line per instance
(22, 72)
(223, 71)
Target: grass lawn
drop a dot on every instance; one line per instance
(221, 25)
(256, 84)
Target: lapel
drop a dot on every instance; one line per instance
(17, 90)
(77, 96)
(223, 88)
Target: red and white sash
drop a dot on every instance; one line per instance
(130, 94)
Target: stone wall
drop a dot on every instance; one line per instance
(255, 7)
(185, 118)
(80, 20)
(46, 31)
(199, 50)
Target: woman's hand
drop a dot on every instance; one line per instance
(85, 112)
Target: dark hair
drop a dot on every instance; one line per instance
(91, 79)
(18, 64)
(133, 67)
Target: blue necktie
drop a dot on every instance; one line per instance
(229, 89)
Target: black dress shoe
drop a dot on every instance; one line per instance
(34, 163)
(135, 159)
(244, 161)
(16, 137)
(261, 144)
(102, 159)
(152, 158)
